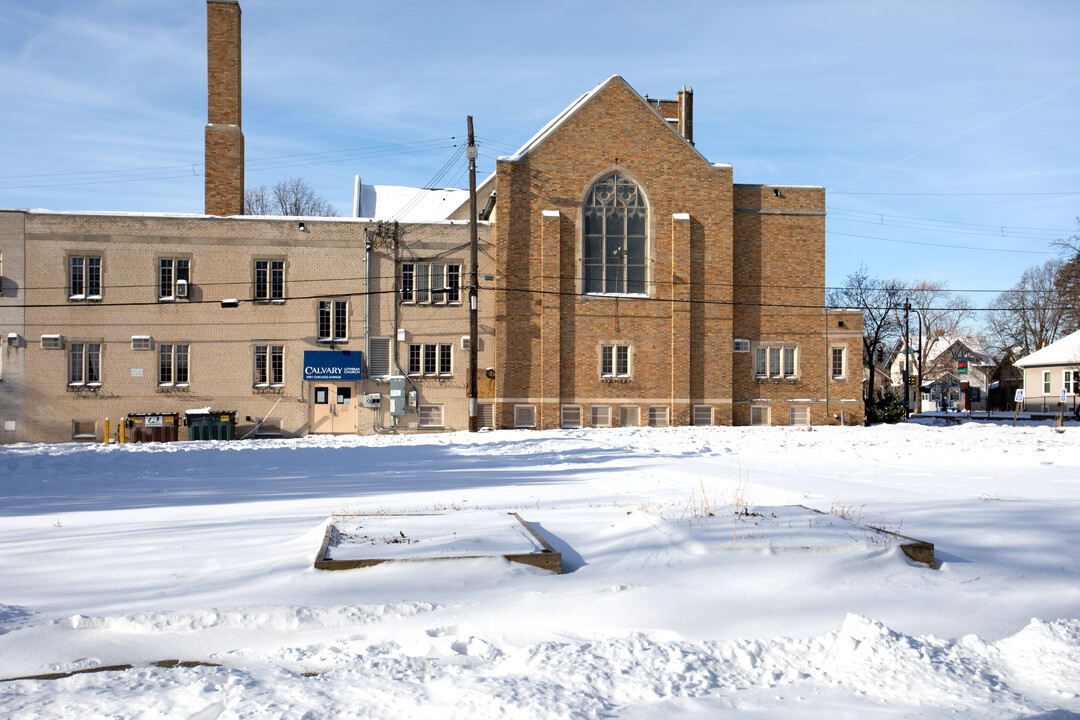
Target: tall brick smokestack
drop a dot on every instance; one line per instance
(224, 176)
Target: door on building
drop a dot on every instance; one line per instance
(332, 408)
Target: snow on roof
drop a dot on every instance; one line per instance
(1065, 351)
(409, 204)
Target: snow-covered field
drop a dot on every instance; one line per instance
(204, 552)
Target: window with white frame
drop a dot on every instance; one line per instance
(703, 415)
(269, 365)
(629, 416)
(431, 359)
(1046, 382)
(759, 415)
(1071, 382)
(658, 416)
(379, 357)
(435, 283)
(269, 280)
(837, 361)
(614, 361)
(84, 364)
(614, 241)
(430, 416)
(333, 320)
(174, 274)
(740, 346)
(571, 416)
(799, 415)
(84, 277)
(601, 415)
(524, 416)
(173, 364)
(776, 361)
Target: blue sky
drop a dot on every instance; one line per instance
(945, 133)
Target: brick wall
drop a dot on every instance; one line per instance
(224, 171)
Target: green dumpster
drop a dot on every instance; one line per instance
(211, 426)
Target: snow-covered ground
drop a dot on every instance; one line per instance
(204, 552)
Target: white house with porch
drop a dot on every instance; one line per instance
(1052, 375)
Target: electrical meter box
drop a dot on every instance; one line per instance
(397, 395)
(372, 400)
(412, 398)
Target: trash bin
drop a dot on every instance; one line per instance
(159, 427)
(211, 426)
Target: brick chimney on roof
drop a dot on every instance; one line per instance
(224, 170)
(679, 112)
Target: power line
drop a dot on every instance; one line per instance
(943, 245)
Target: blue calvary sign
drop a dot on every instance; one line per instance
(333, 364)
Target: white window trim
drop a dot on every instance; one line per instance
(740, 346)
(532, 412)
(332, 337)
(592, 416)
(843, 362)
(615, 360)
(768, 347)
(637, 413)
(269, 280)
(572, 409)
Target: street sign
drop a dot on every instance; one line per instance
(1062, 395)
(1019, 396)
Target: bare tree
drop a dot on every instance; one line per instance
(1031, 314)
(878, 299)
(944, 313)
(292, 196)
(1067, 283)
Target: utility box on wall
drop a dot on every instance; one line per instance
(397, 395)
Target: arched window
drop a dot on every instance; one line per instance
(615, 222)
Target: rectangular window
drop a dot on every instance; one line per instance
(838, 363)
(172, 364)
(741, 346)
(1046, 382)
(422, 283)
(776, 361)
(703, 415)
(438, 283)
(524, 416)
(269, 365)
(760, 367)
(658, 416)
(601, 416)
(1072, 382)
(799, 415)
(614, 360)
(759, 415)
(85, 278)
(333, 323)
(429, 359)
(414, 359)
(445, 365)
(571, 416)
(408, 275)
(629, 416)
(84, 364)
(173, 278)
(430, 416)
(379, 357)
(269, 280)
(453, 283)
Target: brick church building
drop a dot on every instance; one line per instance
(625, 280)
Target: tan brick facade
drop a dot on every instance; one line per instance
(725, 262)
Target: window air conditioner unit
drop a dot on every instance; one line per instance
(181, 288)
(741, 346)
(142, 342)
(464, 342)
(13, 340)
(52, 342)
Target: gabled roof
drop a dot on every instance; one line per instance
(1065, 351)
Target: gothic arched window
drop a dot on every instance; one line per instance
(615, 236)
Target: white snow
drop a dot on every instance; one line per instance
(204, 552)
(409, 204)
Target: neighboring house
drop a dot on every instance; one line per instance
(624, 280)
(956, 374)
(1051, 371)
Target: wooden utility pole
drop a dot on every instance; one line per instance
(474, 282)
